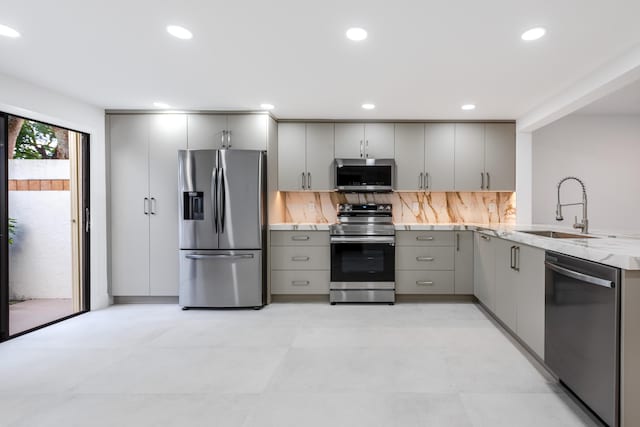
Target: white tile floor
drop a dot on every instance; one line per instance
(287, 365)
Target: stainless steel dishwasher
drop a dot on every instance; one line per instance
(582, 330)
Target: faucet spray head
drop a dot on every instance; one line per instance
(559, 216)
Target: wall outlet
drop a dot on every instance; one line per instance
(492, 208)
(311, 206)
(415, 206)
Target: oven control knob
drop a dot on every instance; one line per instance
(388, 207)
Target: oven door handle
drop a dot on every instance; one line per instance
(580, 276)
(363, 239)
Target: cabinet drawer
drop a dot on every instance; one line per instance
(300, 258)
(424, 282)
(425, 238)
(300, 282)
(424, 258)
(300, 238)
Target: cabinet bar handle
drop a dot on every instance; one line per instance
(308, 180)
(153, 206)
(488, 181)
(511, 261)
(424, 238)
(483, 237)
(299, 238)
(482, 180)
(424, 283)
(146, 206)
(457, 242)
(300, 258)
(516, 263)
(367, 148)
(426, 180)
(425, 258)
(304, 181)
(300, 282)
(421, 180)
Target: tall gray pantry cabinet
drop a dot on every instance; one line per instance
(144, 214)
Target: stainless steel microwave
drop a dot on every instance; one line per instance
(365, 175)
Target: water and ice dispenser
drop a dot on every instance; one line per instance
(193, 205)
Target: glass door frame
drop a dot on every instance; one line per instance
(85, 250)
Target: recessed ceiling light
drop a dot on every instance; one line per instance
(8, 32)
(468, 107)
(533, 34)
(356, 34)
(179, 32)
(368, 106)
(267, 106)
(161, 105)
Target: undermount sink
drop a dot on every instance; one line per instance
(558, 234)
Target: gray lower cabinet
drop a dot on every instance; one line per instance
(509, 281)
(305, 156)
(425, 262)
(530, 297)
(300, 262)
(463, 263)
(505, 284)
(484, 269)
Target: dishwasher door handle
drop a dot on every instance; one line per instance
(580, 276)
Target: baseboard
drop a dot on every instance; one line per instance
(145, 300)
(300, 298)
(434, 298)
(399, 298)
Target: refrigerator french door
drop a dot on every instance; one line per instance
(222, 228)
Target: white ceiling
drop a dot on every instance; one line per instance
(422, 60)
(623, 101)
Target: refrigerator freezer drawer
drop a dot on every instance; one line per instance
(221, 278)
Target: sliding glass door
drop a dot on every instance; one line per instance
(45, 248)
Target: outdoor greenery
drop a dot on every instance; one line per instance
(35, 141)
(12, 229)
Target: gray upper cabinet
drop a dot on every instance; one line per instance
(500, 156)
(320, 173)
(485, 156)
(236, 131)
(379, 140)
(439, 156)
(469, 156)
(305, 156)
(359, 140)
(247, 131)
(206, 131)
(349, 141)
(409, 155)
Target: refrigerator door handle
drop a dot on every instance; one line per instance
(214, 198)
(223, 198)
(220, 256)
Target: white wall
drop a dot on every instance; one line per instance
(21, 98)
(604, 151)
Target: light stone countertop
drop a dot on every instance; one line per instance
(619, 251)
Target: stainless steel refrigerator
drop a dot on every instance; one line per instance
(222, 228)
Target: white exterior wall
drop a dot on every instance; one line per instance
(24, 99)
(604, 152)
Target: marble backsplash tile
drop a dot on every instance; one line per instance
(433, 208)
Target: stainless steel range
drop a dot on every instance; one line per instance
(363, 254)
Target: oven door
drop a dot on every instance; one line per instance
(362, 259)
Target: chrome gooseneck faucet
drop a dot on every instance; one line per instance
(584, 224)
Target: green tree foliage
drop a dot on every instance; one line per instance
(35, 141)
(12, 230)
